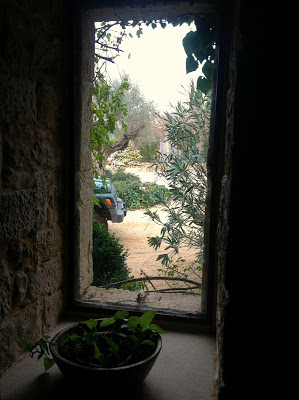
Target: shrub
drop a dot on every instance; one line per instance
(129, 191)
(155, 194)
(109, 258)
(123, 176)
(134, 193)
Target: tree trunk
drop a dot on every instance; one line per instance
(121, 145)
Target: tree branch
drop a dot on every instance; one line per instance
(122, 144)
(106, 58)
(153, 278)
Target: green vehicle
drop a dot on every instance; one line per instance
(110, 206)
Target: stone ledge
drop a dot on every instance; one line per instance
(165, 302)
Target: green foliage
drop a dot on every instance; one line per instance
(177, 268)
(122, 176)
(185, 171)
(199, 47)
(113, 342)
(109, 257)
(130, 192)
(135, 286)
(148, 152)
(154, 194)
(136, 194)
(108, 108)
(111, 102)
(42, 349)
(140, 118)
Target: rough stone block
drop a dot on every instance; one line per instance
(24, 324)
(85, 187)
(47, 106)
(21, 180)
(18, 253)
(22, 211)
(53, 307)
(18, 100)
(48, 244)
(43, 178)
(20, 289)
(16, 155)
(47, 279)
(5, 290)
(17, 213)
(43, 153)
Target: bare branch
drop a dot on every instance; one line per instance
(110, 59)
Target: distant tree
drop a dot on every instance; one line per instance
(121, 114)
(108, 111)
(140, 118)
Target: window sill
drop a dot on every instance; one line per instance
(183, 371)
(163, 303)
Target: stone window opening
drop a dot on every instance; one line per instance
(84, 294)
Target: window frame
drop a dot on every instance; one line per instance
(81, 67)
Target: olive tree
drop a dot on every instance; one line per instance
(184, 169)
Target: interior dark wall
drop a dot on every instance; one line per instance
(260, 116)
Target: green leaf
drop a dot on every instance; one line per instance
(65, 340)
(156, 328)
(91, 323)
(97, 352)
(48, 363)
(74, 337)
(203, 84)
(43, 344)
(112, 346)
(207, 69)
(88, 338)
(187, 43)
(133, 338)
(133, 322)
(191, 64)
(107, 322)
(26, 346)
(146, 319)
(149, 343)
(121, 314)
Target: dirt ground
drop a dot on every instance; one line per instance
(133, 234)
(134, 231)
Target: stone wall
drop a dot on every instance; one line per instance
(84, 72)
(33, 137)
